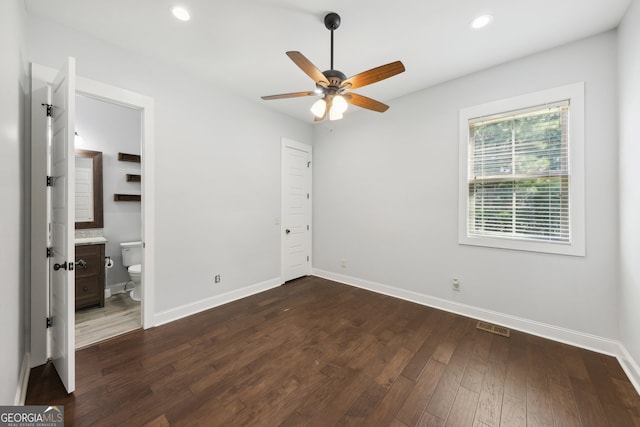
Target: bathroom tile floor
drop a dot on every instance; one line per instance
(119, 315)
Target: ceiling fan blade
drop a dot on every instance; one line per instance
(307, 66)
(365, 102)
(373, 75)
(289, 95)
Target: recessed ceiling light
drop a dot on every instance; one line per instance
(181, 13)
(481, 21)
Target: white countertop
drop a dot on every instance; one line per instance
(90, 240)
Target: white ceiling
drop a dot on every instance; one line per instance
(240, 44)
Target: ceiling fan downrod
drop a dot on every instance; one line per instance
(332, 22)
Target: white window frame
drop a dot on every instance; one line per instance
(575, 94)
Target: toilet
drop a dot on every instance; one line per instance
(132, 259)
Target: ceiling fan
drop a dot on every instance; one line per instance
(334, 86)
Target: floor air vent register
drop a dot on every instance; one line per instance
(494, 329)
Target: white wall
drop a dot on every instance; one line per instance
(113, 129)
(217, 168)
(629, 35)
(12, 193)
(386, 188)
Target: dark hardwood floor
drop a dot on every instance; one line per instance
(315, 352)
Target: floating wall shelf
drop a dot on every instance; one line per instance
(126, 197)
(126, 157)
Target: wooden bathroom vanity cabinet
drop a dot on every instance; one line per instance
(90, 275)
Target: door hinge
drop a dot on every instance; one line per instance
(49, 252)
(49, 322)
(307, 228)
(49, 181)
(307, 195)
(307, 258)
(49, 109)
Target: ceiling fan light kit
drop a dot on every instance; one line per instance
(334, 86)
(319, 107)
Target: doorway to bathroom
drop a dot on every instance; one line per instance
(113, 131)
(53, 308)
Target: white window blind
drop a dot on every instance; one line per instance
(518, 177)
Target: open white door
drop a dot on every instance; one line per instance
(296, 209)
(61, 264)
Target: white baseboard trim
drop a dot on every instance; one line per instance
(23, 380)
(197, 307)
(117, 288)
(555, 333)
(630, 367)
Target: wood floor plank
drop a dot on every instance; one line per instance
(419, 360)
(482, 346)
(538, 407)
(363, 406)
(563, 406)
(393, 367)
(589, 406)
(447, 388)
(515, 382)
(606, 390)
(159, 421)
(474, 374)
(429, 420)
(316, 352)
(385, 412)
(628, 397)
(514, 411)
(491, 395)
(448, 344)
(418, 400)
(463, 409)
(397, 423)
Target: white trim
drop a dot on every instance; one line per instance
(145, 104)
(23, 380)
(117, 288)
(574, 93)
(215, 301)
(630, 367)
(287, 142)
(555, 333)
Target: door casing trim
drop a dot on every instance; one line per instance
(145, 104)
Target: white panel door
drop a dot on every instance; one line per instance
(296, 209)
(61, 265)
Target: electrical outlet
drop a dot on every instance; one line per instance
(216, 279)
(455, 285)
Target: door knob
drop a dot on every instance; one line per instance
(62, 266)
(287, 231)
(82, 264)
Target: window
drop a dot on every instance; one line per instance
(521, 172)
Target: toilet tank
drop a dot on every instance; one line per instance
(131, 253)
